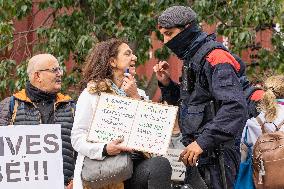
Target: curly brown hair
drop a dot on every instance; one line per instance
(98, 66)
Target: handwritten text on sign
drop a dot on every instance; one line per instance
(178, 168)
(152, 129)
(31, 157)
(145, 126)
(114, 118)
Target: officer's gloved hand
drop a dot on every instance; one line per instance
(186, 186)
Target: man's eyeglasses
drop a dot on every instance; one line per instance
(56, 70)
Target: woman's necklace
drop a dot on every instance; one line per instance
(118, 81)
(117, 90)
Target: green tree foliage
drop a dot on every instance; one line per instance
(240, 21)
(9, 10)
(76, 25)
(73, 26)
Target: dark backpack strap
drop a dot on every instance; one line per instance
(73, 107)
(13, 107)
(261, 123)
(12, 104)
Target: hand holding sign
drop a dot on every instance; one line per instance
(114, 147)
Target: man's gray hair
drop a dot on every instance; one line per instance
(176, 16)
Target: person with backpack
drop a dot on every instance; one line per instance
(41, 103)
(271, 108)
(245, 173)
(265, 134)
(213, 107)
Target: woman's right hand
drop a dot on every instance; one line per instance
(162, 70)
(114, 147)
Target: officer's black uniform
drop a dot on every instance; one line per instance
(213, 109)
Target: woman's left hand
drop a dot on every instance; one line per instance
(130, 87)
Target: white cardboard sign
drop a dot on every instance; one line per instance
(31, 157)
(145, 126)
(178, 168)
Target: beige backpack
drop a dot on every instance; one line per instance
(268, 158)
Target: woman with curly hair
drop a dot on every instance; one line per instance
(105, 72)
(271, 109)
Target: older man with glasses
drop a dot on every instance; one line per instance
(41, 103)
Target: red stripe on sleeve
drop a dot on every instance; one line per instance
(219, 56)
(257, 95)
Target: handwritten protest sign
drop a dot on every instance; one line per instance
(31, 157)
(178, 168)
(145, 126)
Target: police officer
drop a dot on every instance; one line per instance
(211, 98)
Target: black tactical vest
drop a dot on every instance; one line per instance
(196, 113)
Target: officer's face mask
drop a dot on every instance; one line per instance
(182, 41)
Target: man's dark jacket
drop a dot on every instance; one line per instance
(27, 113)
(216, 82)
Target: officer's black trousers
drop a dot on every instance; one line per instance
(211, 171)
